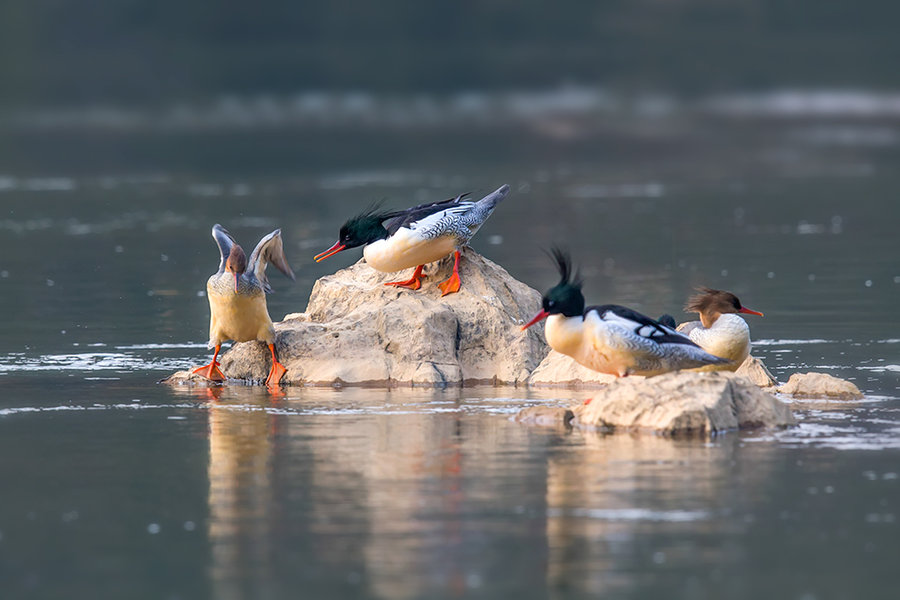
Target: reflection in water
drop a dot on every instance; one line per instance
(240, 493)
(415, 468)
(429, 493)
(437, 493)
(604, 498)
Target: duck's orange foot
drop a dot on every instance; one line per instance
(276, 373)
(210, 371)
(451, 285)
(413, 283)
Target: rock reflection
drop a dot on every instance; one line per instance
(604, 499)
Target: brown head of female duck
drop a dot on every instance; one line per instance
(719, 331)
(237, 298)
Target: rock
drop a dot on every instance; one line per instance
(189, 378)
(820, 385)
(546, 416)
(559, 370)
(683, 403)
(357, 331)
(754, 370)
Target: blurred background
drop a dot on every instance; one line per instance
(742, 144)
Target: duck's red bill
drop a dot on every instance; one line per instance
(331, 251)
(237, 282)
(751, 312)
(538, 317)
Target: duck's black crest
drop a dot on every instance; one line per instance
(568, 275)
(374, 212)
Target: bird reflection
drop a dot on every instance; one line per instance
(240, 491)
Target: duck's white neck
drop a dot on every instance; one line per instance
(564, 334)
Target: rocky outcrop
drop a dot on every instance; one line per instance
(820, 385)
(559, 370)
(683, 403)
(357, 331)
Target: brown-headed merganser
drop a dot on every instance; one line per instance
(397, 240)
(610, 338)
(237, 298)
(719, 331)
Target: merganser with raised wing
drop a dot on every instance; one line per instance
(237, 298)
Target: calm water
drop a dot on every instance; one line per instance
(114, 486)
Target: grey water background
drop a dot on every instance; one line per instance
(750, 146)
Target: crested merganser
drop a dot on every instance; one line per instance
(719, 331)
(610, 338)
(237, 298)
(397, 240)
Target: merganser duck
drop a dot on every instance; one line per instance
(719, 331)
(398, 240)
(237, 298)
(610, 338)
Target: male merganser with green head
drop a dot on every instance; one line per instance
(237, 298)
(719, 331)
(610, 338)
(414, 237)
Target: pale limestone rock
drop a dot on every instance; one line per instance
(683, 403)
(754, 370)
(559, 370)
(820, 385)
(357, 331)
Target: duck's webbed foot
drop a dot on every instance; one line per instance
(211, 371)
(277, 371)
(453, 284)
(413, 283)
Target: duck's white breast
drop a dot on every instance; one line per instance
(729, 337)
(407, 249)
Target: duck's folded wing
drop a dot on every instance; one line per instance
(404, 218)
(640, 325)
(225, 242)
(269, 250)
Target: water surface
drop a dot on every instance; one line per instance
(114, 486)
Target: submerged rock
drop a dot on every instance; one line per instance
(357, 331)
(820, 385)
(683, 403)
(546, 416)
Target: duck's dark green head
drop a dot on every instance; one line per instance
(565, 297)
(358, 231)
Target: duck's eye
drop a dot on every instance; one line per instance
(551, 303)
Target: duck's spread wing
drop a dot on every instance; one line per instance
(643, 328)
(225, 242)
(410, 217)
(269, 250)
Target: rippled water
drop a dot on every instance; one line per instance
(114, 486)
